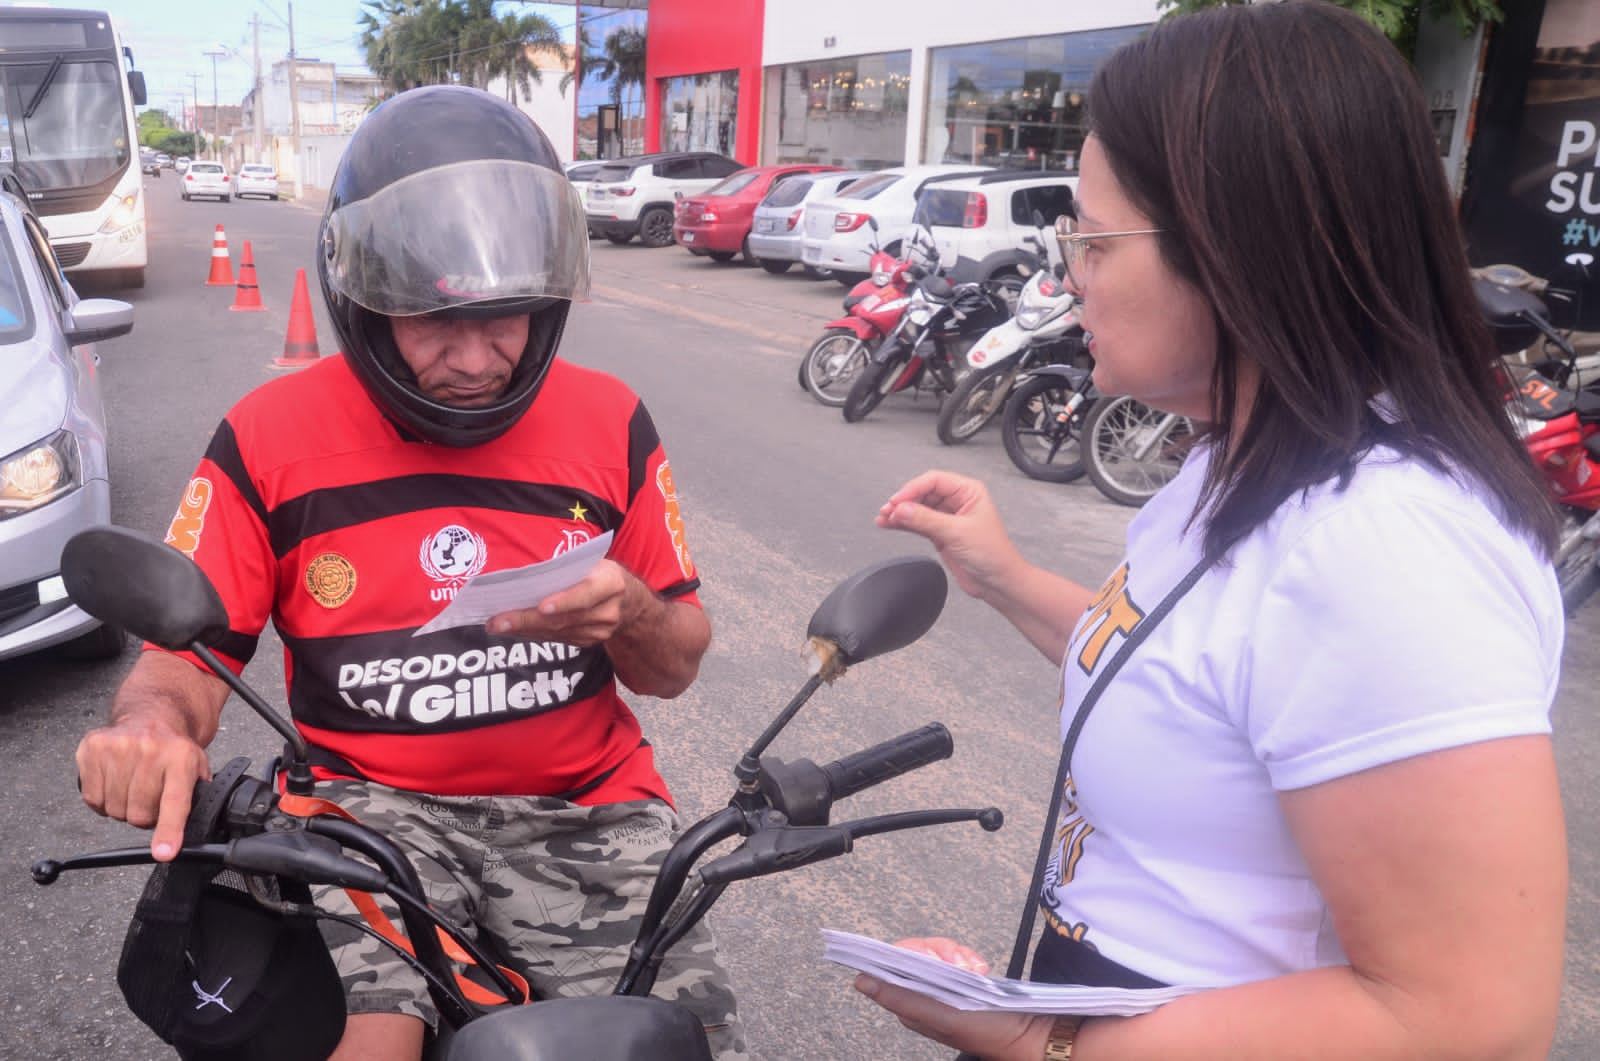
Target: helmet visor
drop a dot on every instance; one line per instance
(488, 231)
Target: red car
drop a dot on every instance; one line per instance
(716, 223)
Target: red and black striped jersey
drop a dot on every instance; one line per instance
(310, 508)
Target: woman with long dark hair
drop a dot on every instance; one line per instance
(1319, 787)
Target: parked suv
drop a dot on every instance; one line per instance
(635, 196)
(837, 234)
(984, 226)
(717, 222)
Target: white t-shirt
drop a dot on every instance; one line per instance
(1353, 629)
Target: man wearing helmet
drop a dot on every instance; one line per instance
(350, 501)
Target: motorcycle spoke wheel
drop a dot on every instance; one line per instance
(870, 388)
(972, 404)
(832, 365)
(1124, 457)
(1041, 437)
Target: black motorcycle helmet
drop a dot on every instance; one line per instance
(450, 201)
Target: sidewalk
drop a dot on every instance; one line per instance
(310, 198)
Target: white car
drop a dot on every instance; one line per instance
(984, 225)
(636, 196)
(777, 226)
(837, 236)
(54, 475)
(255, 178)
(208, 179)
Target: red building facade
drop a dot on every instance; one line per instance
(703, 74)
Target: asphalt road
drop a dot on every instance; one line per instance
(778, 495)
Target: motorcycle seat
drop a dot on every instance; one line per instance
(937, 287)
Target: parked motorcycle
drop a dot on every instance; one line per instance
(1044, 330)
(1042, 422)
(941, 319)
(283, 843)
(1131, 450)
(1585, 364)
(872, 309)
(1559, 425)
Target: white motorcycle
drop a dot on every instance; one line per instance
(1043, 331)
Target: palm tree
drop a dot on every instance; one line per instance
(513, 45)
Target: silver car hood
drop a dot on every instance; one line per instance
(33, 394)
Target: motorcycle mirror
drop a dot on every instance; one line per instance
(881, 608)
(872, 223)
(131, 580)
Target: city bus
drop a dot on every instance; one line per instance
(68, 133)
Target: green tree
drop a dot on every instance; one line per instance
(441, 42)
(1396, 18)
(516, 41)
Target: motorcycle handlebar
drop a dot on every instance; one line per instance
(889, 759)
(805, 792)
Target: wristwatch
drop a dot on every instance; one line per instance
(1062, 1033)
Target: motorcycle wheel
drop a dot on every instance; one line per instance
(973, 403)
(1578, 571)
(832, 365)
(1038, 440)
(1115, 432)
(870, 388)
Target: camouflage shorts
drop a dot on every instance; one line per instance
(553, 889)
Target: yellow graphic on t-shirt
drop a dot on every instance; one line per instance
(1071, 835)
(1111, 612)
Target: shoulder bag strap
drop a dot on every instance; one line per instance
(1019, 950)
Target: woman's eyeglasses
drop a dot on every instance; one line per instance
(1075, 246)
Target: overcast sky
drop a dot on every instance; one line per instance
(169, 39)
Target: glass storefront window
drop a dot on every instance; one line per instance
(699, 112)
(1015, 103)
(611, 82)
(842, 112)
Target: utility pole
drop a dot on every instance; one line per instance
(294, 115)
(255, 96)
(194, 87)
(216, 116)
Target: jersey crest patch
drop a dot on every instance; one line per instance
(331, 580)
(184, 533)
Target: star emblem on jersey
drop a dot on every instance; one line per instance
(453, 554)
(578, 511)
(331, 580)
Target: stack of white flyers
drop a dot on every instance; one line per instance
(487, 595)
(963, 989)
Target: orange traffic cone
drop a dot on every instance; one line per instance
(248, 295)
(221, 266)
(300, 345)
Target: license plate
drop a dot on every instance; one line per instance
(812, 254)
(687, 237)
(767, 224)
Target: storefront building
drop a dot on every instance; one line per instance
(867, 86)
(704, 72)
(945, 81)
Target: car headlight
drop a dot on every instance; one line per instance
(123, 214)
(39, 474)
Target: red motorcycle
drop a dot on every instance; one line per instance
(1561, 428)
(872, 310)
